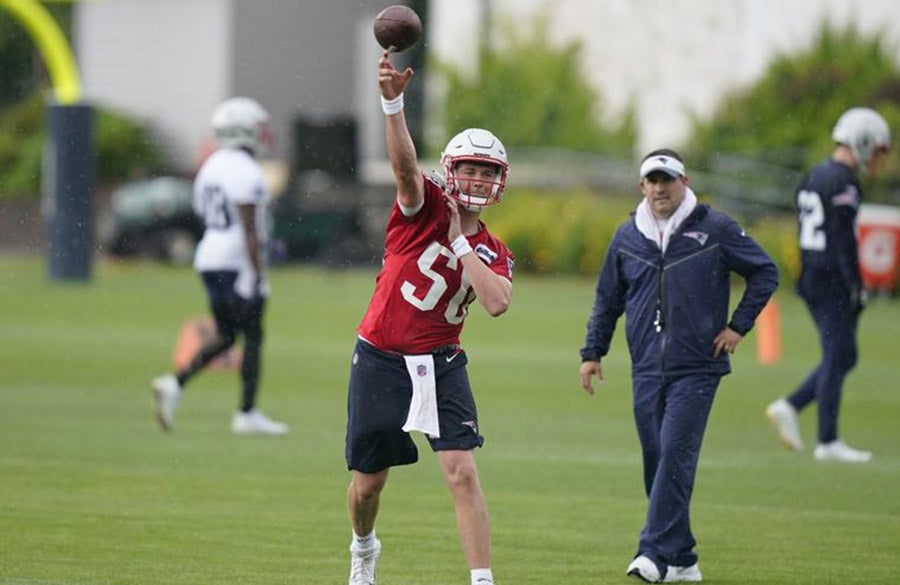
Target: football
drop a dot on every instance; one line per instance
(397, 28)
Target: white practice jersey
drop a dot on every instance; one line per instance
(230, 177)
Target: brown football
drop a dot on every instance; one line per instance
(397, 28)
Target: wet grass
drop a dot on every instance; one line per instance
(92, 492)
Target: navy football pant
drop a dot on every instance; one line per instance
(234, 316)
(671, 418)
(836, 320)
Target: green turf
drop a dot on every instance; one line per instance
(91, 492)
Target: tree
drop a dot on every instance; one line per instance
(124, 148)
(786, 117)
(21, 70)
(532, 94)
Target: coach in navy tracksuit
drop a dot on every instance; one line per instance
(830, 281)
(668, 268)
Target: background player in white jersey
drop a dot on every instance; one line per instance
(231, 196)
(408, 371)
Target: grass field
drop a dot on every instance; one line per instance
(91, 492)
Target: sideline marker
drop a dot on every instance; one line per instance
(768, 334)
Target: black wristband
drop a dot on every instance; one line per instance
(740, 331)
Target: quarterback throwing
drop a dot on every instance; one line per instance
(408, 371)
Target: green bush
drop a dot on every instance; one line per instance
(563, 232)
(21, 146)
(558, 232)
(122, 147)
(778, 237)
(533, 94)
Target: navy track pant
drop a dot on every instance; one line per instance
(837, 320)
(671, 418)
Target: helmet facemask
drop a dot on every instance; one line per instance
(480, 147)
(471, 200)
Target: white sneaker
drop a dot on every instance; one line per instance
(841, 452)
(362, 564)
(256, 423)
(784, 418)
(643, 568)
(166, 394)
(683, 574)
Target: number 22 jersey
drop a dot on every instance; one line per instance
(422, 292)
(828, 200)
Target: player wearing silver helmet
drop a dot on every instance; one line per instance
(231, 197)
(408, 371)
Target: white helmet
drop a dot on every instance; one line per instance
(479, 146)
(863, 131)
(242, 123)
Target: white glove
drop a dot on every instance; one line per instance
(249, 286)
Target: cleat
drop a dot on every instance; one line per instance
(644, 569)
(362, 564)
(255, 422)
(166, 394)
(841, 452)
(683, 574)
(784, 418)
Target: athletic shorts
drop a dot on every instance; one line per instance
(232, 313)
(378, 403)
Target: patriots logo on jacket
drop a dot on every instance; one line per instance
(699, 236)
(485, 253)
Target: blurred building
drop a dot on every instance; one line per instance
(169, 62)
(671, 58)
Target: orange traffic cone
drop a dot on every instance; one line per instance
(768, 334)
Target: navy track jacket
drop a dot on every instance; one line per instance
(676, 303)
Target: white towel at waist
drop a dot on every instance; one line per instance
(423, 414)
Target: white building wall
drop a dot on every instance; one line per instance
(169, 62)
(166, 62)
(669, 57)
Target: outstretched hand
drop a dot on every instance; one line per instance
(391, 81)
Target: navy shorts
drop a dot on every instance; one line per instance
(232, 313)
(378, 403)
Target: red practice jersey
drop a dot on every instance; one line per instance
(422, 293)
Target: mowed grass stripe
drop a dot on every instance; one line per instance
(91, 492)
